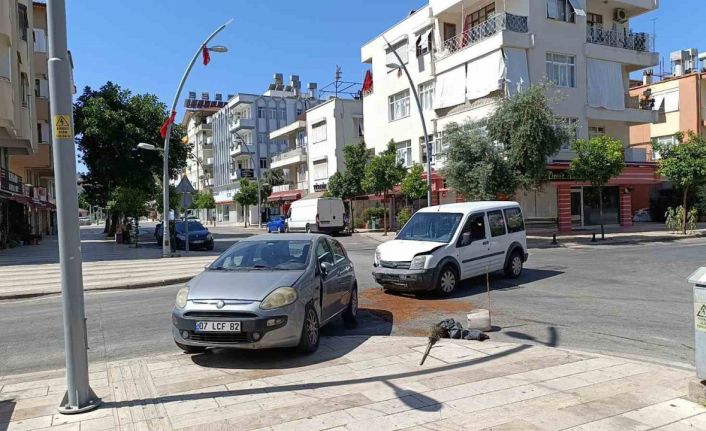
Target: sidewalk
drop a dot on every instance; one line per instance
(361, 383)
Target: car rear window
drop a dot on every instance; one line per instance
(514, 220)
(497, 223)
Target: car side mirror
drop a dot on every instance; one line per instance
(465, 239)
(326, 268)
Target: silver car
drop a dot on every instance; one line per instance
(267, 291)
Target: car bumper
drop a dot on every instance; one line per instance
(194, 245)
(405, 280)
(276, 328)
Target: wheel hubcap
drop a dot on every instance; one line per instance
(311, 327)
(448, 281)
(516, 265)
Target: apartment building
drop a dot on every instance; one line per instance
(464, 55)
(315, 148)
(242, 147)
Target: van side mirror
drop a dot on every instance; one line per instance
(465, 239)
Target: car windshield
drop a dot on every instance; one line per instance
(193, 226)
(264, 255)
(435, 227)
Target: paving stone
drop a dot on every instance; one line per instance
(666, 412)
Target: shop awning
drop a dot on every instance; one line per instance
(290, 195)
(24, 200)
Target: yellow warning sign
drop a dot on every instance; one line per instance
(62, 127)
(700, 316)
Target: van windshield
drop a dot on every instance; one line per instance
(435, 227)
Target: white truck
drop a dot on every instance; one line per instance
(325, 215)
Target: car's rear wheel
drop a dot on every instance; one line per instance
(282, 229)
(309, 341)
(190, 349)
(350, 316)
(514, 265)
(447, 280)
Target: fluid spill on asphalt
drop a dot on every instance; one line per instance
(406, 309)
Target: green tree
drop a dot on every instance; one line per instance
(349, 184)
(109, 123)
(597, 161)
(526, 127)
(129, 202)
(475, 166)
(175, 199)
(204, 200)
(83, 202)
(382, 173)
(413, 185)
(247, 196)
(270, 179)
(684, 164)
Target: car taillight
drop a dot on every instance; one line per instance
(317, 219)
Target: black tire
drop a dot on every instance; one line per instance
(514, 266)
(447, 280)
(350, 316)
(311, 333)
(209, 248)
(190, 349)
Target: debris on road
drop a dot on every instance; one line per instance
(456, 331)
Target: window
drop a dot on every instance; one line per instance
(358, 127)
(424, 41)
(667, 140)
(435, 227)
(40, 40)
(480, 16)
(41, 88)
(426, 95)
(561, 10)
(561, 70)
(321, 169)
(449, 30)
(262, 138)
(273, 113)
(595, 131)
(24, 88)
(401, 49)
(423, 148)
(39, 133)
(261, 112)
(278, 254)
(300, 111)
(667, 100)
(22, 21)
(496, 223)
(263, 162)
(475, 226)
(318, 132)
(515, 223)
(399, 105)
(570, 126)
(404, 153)
(338, 253)
(5, 65)
(323, 253)
(594, 19)
(283, 114)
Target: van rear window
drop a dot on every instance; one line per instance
(514, 220)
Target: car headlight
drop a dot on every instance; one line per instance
(182, 296)
(279, 298)
(209, 237)
(376, 260)
(418, 262)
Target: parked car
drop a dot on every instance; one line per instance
(277, 224)
(199, 236)
(84, 221)
(267, 291)
(443, 245)
(325, 215)
(642, 215)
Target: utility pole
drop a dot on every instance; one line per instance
(79, 397)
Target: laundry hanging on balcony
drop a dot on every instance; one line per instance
(450, 88)
(516, 71)
(485, 75)
(605, 85)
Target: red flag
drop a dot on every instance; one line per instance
(165, 125)
(368, 82)
(206, 55)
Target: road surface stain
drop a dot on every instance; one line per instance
(408, 308)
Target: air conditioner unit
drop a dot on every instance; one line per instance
(620, 15)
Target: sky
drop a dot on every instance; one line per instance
(145, 45)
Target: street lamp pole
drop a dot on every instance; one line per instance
(166, 248)
(402, 66)
(259, 189)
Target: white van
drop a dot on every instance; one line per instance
(316, 215)
(442, 245)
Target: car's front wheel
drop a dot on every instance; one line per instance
(190, 349)
(447, 280)
(309, 341)
(514, 265)
(350, 316)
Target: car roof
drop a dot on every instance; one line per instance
(286, 236)
(468, 207)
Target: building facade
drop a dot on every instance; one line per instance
(465, 55)
(241, 139)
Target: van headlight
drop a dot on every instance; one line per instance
(182, 296)
(376, 259)
(279, 298)
(418, 262)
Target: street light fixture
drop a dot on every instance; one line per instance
(218, 48)
(400, 65)
(148, 147)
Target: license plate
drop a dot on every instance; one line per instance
(198, 241)
(217, 327)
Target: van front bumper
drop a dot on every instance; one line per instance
(405, 280)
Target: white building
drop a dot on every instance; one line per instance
(241, 139)
(315, 150)
(465, 54)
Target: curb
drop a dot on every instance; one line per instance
(143, 285)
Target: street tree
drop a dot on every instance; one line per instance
(270, 179)
(246, 196)
(475, 166)
(413, 185)
(383, 172)
(597, 161)
(109, 123)
(349, 184)
(684, 164)
(175, 199)
(529, 132)
(204, 200)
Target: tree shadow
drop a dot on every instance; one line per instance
(415, 400)
(6, 409)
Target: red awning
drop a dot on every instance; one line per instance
(24, 200)
(290, 195)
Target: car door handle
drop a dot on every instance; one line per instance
(486, 242)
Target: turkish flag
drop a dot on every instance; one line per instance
(165, 125)
(206, 55)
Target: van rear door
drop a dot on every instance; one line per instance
(324, 212)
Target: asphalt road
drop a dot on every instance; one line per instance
(630, 300)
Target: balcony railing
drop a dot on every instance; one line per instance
(473, 35)
(626, 39)
(299, 151)
(11, 182)
(636, 102)
(301, 185)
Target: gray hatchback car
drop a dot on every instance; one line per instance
(267, 291)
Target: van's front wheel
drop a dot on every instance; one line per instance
(446, 281)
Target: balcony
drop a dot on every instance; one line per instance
(208, 143)
(11, 182)
(637, 155)
(297, 155)
(497, 24)
(291, 186)
(637, 111)
(241, 123)
(203, 127)
(208, 182)
(622, 46)
(241, 150)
